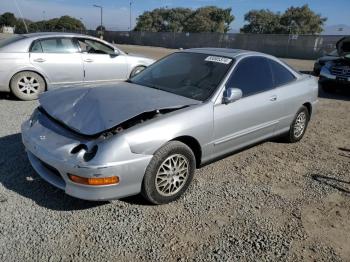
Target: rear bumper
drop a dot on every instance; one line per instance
(53, 168)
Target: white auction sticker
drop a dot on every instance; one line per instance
(218, 59)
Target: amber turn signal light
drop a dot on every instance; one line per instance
(94, 181)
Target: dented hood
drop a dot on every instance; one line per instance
(92, 110)
(343, 46)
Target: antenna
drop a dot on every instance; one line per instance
(20, 13)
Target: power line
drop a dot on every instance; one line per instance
(20, 13)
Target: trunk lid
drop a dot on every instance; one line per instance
(343, 47)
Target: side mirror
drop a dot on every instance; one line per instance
(231, 95)
(114, 54)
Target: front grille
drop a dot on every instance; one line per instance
(343, 71)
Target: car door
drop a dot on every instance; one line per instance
(102, 62)
(254, 116)
(58, 58)
(290, 94)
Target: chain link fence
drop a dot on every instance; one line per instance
(288, 46)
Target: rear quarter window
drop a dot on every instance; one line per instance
(280, 74)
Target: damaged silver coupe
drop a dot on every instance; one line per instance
(149, 134)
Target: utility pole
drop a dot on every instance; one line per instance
(130, 16)
(81, 28)
(19, 11)
(101, 25)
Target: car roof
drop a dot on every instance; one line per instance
(22, 45)
(228, 52)
(46, 34)
(238, 53)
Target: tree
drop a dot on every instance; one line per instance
(262, 22)
(205, 19)
(163, 20)
(210, 19)
(8, 19)
(295, 20)
(69, 23)
(63, 23)
(100, 28)
(302, 20)
(20, 28)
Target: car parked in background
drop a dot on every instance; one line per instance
(150, 133)
(335, 69)
(33, 63)
(320, 62)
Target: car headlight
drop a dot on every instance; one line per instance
(34, 117)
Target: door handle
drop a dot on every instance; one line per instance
(40, 60)
(89, 60)
(273, 98)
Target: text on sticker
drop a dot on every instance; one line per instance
(218, 59)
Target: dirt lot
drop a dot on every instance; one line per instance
(272, 202)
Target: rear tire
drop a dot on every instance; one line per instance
(169, 173)
(298, 126)
(27, 85)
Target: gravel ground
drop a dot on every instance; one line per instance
(272, 202)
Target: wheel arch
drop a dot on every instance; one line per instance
(194, 145)
(308, 107)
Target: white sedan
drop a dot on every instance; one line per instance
(33, 63)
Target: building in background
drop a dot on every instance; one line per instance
(7, 30)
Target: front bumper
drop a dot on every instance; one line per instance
(327, 76)
(49, 154)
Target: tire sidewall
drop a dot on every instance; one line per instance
(149, 190)
(292, 137)
(19, 94)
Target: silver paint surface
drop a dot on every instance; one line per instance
(92, 110)
(216, 127)
(66, 69)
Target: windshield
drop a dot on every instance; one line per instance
(191, 75)
(333, 53)
(7, 41)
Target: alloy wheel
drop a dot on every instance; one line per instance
(300, 124)
(172, 175)
(28, 85)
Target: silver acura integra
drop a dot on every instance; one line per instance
(32, 63)
(149, 134)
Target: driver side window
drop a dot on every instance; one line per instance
(252, 75)
(94, 47)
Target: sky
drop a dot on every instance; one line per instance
(116, 13)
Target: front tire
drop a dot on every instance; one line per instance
(298, 126)
(27, 85)
(169, 173)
